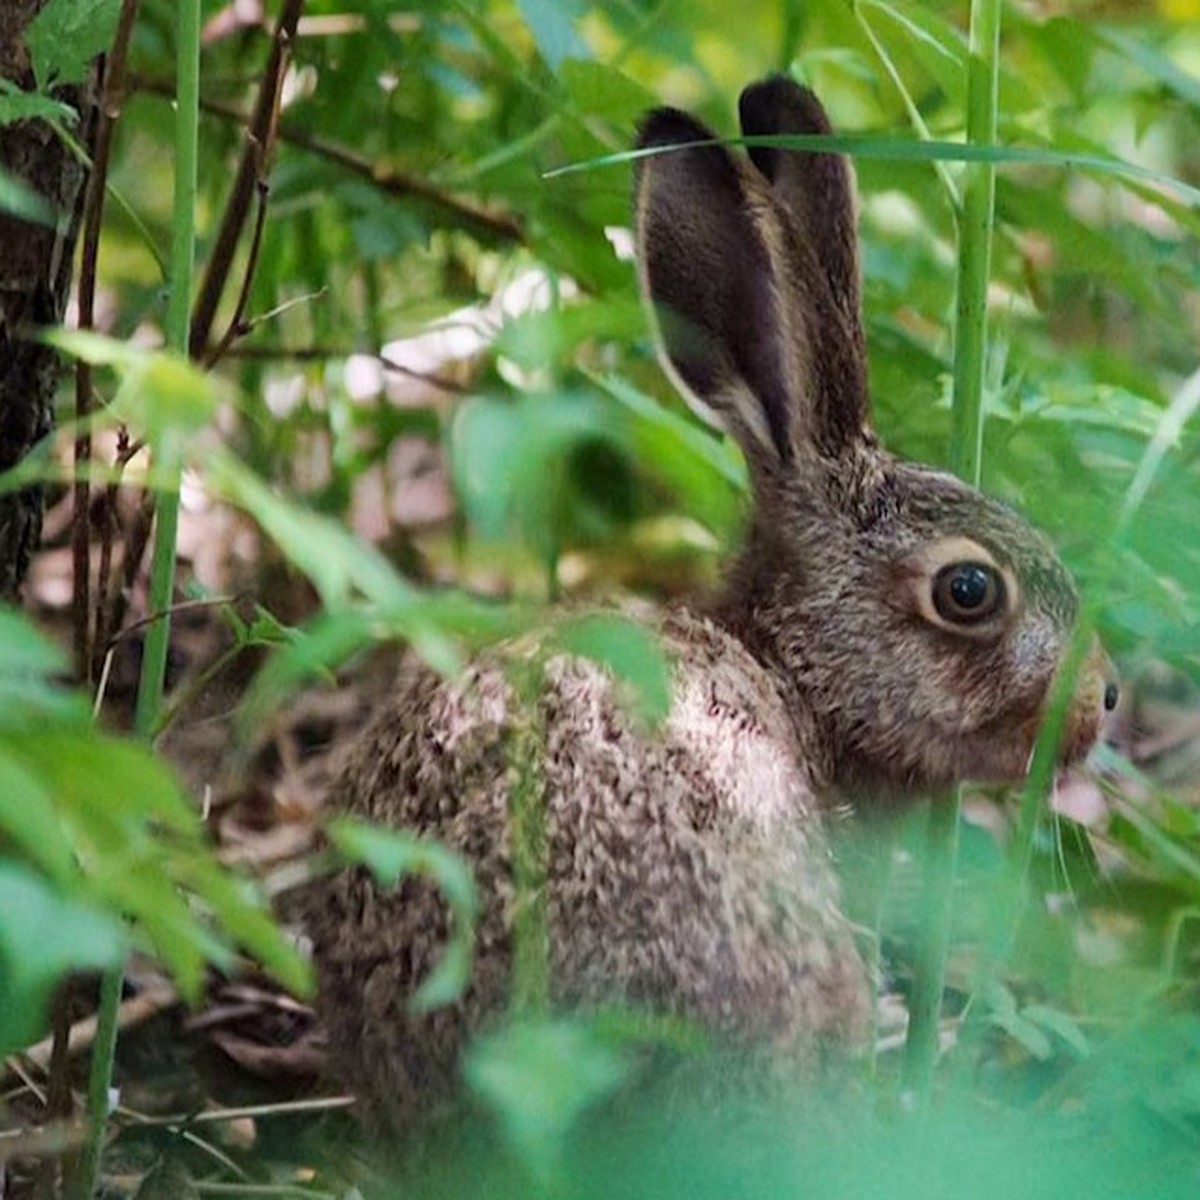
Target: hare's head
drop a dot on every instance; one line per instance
(917, 623)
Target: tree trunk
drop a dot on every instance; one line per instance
(35, 278)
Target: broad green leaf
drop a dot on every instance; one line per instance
(243, 916)
(603, 92)
(85, 769)
(67, 35)
(938, 46)
(29, 820)
(1060, 1023)
(43, 937)
(1158, 66)
(339, 565)
(551, 469)
(707, 473)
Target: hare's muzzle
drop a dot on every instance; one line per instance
(1096, 695)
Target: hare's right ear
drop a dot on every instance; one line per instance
(707, 272)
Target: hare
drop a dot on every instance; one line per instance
(886, 631)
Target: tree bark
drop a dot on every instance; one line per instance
(35, 278)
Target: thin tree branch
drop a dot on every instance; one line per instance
(393, 182)
(251, 168)
(319, 353)
(238, 326)
(112, 95)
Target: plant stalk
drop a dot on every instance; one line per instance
(966, 459)
(162, 580)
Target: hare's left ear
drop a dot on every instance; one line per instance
(730, 330)
(750, 265)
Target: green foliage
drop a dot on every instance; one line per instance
(629, 651)
(94, 834)
(42, 937)
(540, 1077)
(431, 163)
(1122, 1133)
(66, 36)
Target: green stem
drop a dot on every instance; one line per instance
(925, 1007)
(966, 457)
(183, 256)
(162, 579)
(99, 1085)
(528, 834)
(975, 245)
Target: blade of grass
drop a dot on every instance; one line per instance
(893, 149)
(966, 454)
(914, 113)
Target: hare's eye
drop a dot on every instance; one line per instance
(968, 593)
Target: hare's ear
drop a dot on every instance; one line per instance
(704, 228)
(752, 272)
(816, 190)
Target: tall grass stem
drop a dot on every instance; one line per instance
(966, 458)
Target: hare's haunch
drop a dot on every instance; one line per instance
(885, 631)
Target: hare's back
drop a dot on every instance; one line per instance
(683, 870)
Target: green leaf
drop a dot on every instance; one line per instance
(42, 938)
(29, 818)
(26, 652)
(339, 565)
(391, 855)
(19, 200)
(243, 914)
(160, 393)
(16, 105)
(940, 48)
(88, 771)
(552, 23)
(539, 1078)
(1158, 66)
(630, 651)
(1060, 1023)
(706, 472)
(522, 466)
(601, 91)
(66, 35)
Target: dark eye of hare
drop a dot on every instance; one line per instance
(968, 593)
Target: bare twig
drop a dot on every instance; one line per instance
(238, 325)
(317, 353)
(112, 93)
(390, 180)
(42, 1141)
(286, 1108)
(108, 533)
(134, 1011)
(259, 140)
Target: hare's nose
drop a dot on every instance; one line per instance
(1112, 694)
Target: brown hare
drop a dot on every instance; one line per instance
(886, 630)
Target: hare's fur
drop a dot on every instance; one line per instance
(686, 870)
